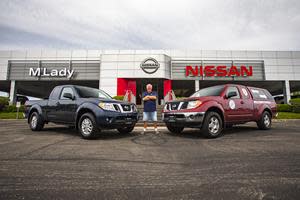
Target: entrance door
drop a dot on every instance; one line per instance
(157, 85)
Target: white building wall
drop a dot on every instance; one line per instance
(4, 57)
(124, 65)
(50, 54)
(279, 65)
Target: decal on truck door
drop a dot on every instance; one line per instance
(245, 92)
(231, 104)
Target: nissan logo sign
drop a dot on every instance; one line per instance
(149, 65)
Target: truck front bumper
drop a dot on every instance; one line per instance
(185, 119)
(113, 120)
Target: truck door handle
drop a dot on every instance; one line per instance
(242, 102)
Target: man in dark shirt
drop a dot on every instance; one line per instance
(149, 114)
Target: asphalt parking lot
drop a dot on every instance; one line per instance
(245, 163)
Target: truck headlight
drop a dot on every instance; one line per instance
(193, 104)
(107, 106)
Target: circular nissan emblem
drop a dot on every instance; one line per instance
(149, 65)
(231, 104)
(245, 92)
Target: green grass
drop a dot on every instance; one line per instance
(288, 115)
(10, 115)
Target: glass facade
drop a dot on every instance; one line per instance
(183, 88)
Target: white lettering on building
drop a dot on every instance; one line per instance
(44, 72)
(37, 72)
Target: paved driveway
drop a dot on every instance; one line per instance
(56, 163)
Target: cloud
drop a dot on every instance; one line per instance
(140, 24)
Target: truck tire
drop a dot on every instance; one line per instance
(265, 122)
(126, 130)
(174, 129)
(87, 126)
(212, 125)
(36, 122)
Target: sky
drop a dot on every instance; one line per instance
(153, 24)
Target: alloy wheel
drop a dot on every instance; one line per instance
(214, 125)
(33, 121)
(86, 126)
(266, 120)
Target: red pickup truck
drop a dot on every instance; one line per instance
(214, 108)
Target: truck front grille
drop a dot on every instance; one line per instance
(177, 105)
(126, 107)
(184, 105)
(174, 105)
(117, 108)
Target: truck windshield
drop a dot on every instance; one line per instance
(210, 91)
(86, 92)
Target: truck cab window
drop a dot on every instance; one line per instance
(66, 90)
(245, 92)
(233, 89)
(259, 94)
(55, 93)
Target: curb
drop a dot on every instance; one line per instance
(283, 120)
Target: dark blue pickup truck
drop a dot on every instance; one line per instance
(87, 109)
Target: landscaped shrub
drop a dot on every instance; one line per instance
(295, 105)
(297, 100)
(119, 97)
(284, 108)
(4, 101)
(13, 108)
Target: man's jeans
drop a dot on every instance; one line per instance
(150, 116)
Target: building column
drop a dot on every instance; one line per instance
(286, 92)
(12, 92)
(197, 85)
(167, 86)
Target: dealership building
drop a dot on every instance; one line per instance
(119, 72)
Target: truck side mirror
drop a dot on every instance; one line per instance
(231, 94)
(69, 96)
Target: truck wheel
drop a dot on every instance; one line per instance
(265, 122)
(125, 130)
(212, 125)
(36, 122)
(174, 129)
(87, 126)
